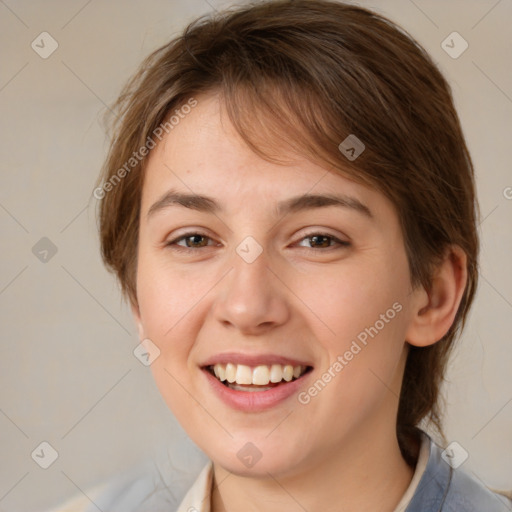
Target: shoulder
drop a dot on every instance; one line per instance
(469, 494)
(446, 487)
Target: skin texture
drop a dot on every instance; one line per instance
(339, 451)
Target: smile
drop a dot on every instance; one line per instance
(242, 377)
(254, 382)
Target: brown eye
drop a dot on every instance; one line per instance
(322, 241)
(191, 241)
(196, 241)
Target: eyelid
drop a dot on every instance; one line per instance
(338, 240)
(188, 234)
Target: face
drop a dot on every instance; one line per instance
(277, 295)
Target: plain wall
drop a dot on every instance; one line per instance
(68, 375)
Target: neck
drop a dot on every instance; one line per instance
(362, 476)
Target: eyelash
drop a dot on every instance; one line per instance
(332, 238)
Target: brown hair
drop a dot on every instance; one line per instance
(308, 74)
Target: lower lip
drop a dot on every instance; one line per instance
(253, 401)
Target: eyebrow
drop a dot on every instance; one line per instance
(192, 201)
(294, 204)
(310, 201)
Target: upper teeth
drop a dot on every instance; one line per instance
(259, 375)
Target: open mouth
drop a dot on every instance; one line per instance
(241, 377)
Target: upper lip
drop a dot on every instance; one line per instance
(252, 359)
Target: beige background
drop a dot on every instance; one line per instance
(68, 375)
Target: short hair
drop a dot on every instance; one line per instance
(308, 74)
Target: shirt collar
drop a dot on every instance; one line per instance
(433, 475)
(434, 484)
(198, 496)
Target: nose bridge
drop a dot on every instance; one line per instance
(251, 297)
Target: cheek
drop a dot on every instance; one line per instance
(353, 297)
(362, 323)
(169, 303)
(174, 303)
(167, 296)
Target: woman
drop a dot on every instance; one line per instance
(289, 206)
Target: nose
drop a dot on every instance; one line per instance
(251, 298)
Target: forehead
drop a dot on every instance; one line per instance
(203, 154)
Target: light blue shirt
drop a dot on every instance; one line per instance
(443, 488)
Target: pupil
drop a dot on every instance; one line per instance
(196, 240)
(317, 240)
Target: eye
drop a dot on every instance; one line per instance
(191, 241)
(322, 241)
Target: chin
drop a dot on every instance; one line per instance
(258, 459)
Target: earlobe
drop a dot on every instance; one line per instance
(435, 310)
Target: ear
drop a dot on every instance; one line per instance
(136, 316)
(435, 309)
